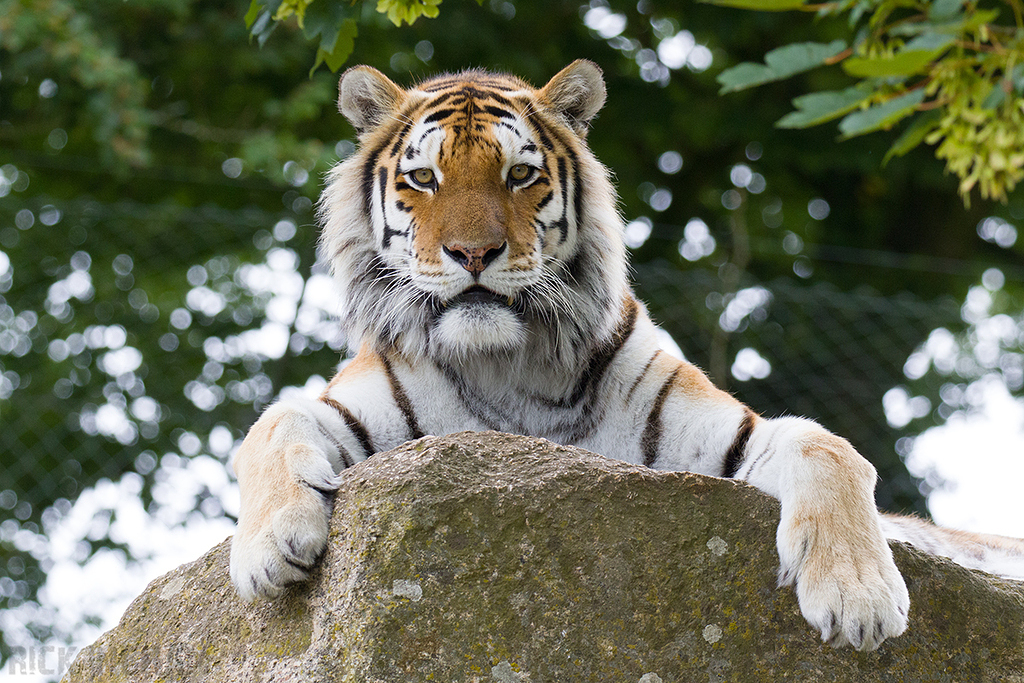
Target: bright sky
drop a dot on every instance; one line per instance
(981, 457)
(103, 586)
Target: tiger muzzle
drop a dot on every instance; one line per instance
(475, 259)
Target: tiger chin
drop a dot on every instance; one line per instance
(478, 322)
(482, 276)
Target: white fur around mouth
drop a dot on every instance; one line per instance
(482, 322)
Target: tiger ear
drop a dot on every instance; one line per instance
(367, 98)
(576, 92)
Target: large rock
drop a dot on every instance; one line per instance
(493, 558)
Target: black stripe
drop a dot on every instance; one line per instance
(541, 129)
(389, 232)
(542, 232)
(472, 401)
(371, 161)
(497, 85)
(296, 564)
(440, 99)
(436, 85)
(767, 454)
(353, 424)
(640, 377)
(346, 459)
(443, 97)
(478, 94)
(651, 438)
(428, 131)
(734, 456)
(499, 112)
(402, 401)
(374, 156)
(510, 127)
(467, 88)
(439, 83)
(563, 223)
(577, 190)
(440, 114)
(577, 268)
(400, 139)
(568, 148)
(589, 386)
(324, 492)
(600, 360)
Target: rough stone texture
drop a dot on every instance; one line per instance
(492, 558)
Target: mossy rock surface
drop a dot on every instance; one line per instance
(493, 558)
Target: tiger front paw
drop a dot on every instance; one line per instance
(847, 584)
(287, 493)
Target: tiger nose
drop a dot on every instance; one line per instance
(475, 259)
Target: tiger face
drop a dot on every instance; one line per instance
(473, 219)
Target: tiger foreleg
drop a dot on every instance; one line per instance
(286, 469)
(830, 541)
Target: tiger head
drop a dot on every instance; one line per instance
(473, 219)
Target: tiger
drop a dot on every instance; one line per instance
(480, 264)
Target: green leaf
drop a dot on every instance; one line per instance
(328, 20)
(254, 11)
(408, 10)
(882, 115)
(996, 96)
(325, 19)
(344, 43)
(780, 63)
(913, 58)
(263, 24)
(1017, 77)
(930, 41)
(820, 107)
(262, 27)
(944, 9)
(762, 5)
(957, 25)
(915, 134)
(744, 75)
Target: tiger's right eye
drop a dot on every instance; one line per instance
(519, 172)
(423, 176)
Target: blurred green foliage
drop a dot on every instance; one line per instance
(159, 173)
(955, 66)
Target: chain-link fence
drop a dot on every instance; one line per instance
(804, 349)
(136, 335)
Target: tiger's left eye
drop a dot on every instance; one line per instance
(423, 176)
(519, 172)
